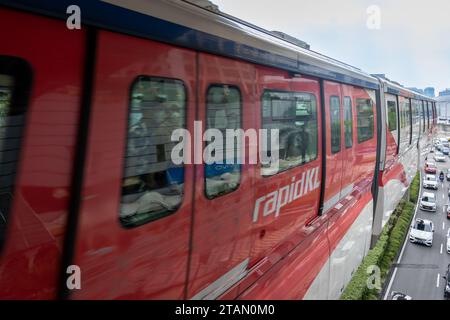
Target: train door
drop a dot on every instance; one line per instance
(224, 188)
(132, 240)
(285, 222)
(335, 153)
(41, 72)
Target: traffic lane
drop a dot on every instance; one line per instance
(442, 224)
(419, 273)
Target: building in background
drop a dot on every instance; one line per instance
(443, 105)
(416, 90)
(429, 92)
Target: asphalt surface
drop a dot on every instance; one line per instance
(420, 269)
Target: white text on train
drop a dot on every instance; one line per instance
(274, 201)
(233, 153)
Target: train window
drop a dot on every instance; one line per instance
(364, 109)
(348, 122)
(423, 116)
(392, 115)
(294, 114)
(223, 112)
(335, 119)
(15, 83)
(152, 185)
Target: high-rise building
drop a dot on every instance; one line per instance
(416, 90)
(429, 92)
(446, 92)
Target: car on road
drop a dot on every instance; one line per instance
(448, 174)
(439, 157)
(430, 167)
(430, 182)
(448, 241)
(447, 283)
(428, 202)
(422, 232)
(445, 150)
(400, 296)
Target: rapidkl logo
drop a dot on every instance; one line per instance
(298, 188)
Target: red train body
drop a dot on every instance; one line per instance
(256, 240)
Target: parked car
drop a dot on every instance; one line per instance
(448, 174)
(430, 167)
(422, 232)
(448, 211)
(428, 202)
(430, 182)
(439, 157)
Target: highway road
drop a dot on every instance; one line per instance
(419, 270)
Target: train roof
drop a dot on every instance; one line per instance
(397, 89)
(187, 25)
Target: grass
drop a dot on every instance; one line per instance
(386, 249)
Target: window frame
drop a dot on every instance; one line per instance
(311, 94)
(162, 213)
(360, 141)
(241, 108)
(335, 151)
(396, 121)
(348, 98)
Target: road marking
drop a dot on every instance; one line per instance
(437, 280)
(442, 247)
(443, 225)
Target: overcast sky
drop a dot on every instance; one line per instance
(412, 45)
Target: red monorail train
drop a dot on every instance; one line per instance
(86, 176)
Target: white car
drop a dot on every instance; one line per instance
(430, 182)
(428, 202)
(439, 157)
(422, 231)
(448, 241)
(400, 296)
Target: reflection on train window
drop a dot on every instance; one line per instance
(364, 109)
(294, 114)
(152, 185)
(223, 112)
(392, 115)
(335, 120)
(15, 84)
(348, 122)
